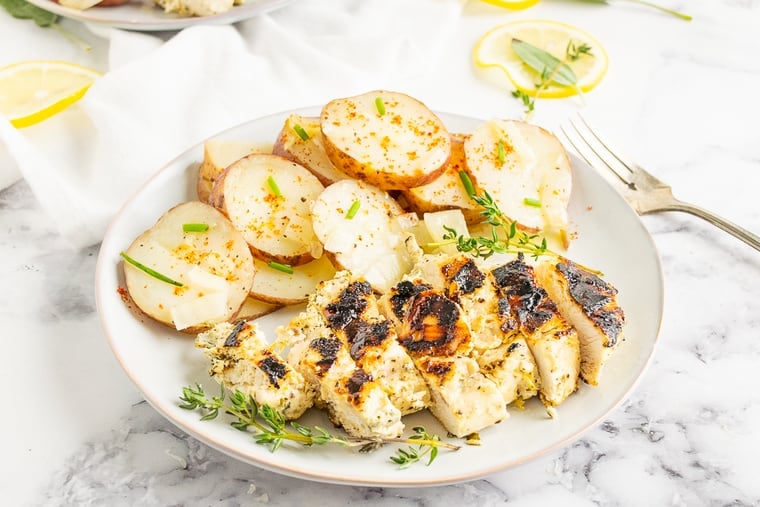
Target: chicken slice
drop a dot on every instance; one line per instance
(241, 359)
(502, 354)
(525, 306)
(350, 311)
(590, 304)
(432, 329)
(353, 399)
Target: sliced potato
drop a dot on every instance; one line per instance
(309, 152)
(529, 177)
(217, 155)
(436, 224)
(387, 139)
(275, 286)
(215, 268)
(254, 308)
(446, 191)
(371, 244)
(267, 198)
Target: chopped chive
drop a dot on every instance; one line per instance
(380, 106)
(194, 227)
(500, 152)
(280, 267)
(151, 272)
(467, 182)
(273, 187)
(301, 132)
(353, 209)
(532, 202)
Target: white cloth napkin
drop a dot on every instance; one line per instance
(159, 98)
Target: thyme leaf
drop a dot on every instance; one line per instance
(269, 427)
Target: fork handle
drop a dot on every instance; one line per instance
(743, 234)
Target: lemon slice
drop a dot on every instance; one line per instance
(512, 4)
(35, 90)
(494, 49)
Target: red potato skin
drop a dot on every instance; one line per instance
(108, 3)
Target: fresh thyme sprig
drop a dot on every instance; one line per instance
(505, 234)
(269, 427)
(550, 68)
(404, 458)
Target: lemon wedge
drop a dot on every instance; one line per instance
(35, 90)
(512, 4)
(494, 49)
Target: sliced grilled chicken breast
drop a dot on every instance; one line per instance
(434, 333)
(351, 313)
(525, 305)
(353, 398)
(590, 304)
(242, 360)
(502, 354)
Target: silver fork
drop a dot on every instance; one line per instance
(645, 193)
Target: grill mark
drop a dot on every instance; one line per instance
(528, 303)
(596, 298)
(403, 293)
(435, 327)
(274, 369)
(463, 277)
(355, 383)
(328, 349)
(361, 334)
(232, 338)
(349, 305)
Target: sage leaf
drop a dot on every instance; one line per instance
(22, 9)
(544, 63)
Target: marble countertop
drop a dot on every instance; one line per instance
(680, 97)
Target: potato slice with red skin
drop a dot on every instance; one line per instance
(278, 287)
(309, 152)
(218, 154)
(446, 191)
(215, 264)
(387, 139)
(529, 177)
(268, 199)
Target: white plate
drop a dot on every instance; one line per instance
(145, 16)
(160, 362)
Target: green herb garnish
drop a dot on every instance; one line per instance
(467, 183)
(194, 227)
(351, 213)
(273, 186)
(528, 201)
(151, 272)
(22, 9)
(301, 132)
(500, 152)
(550, 68)
(677, 14)
(280, 267)
(269, 427)
(380, 106)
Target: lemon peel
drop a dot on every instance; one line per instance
(34, 90)
(512, 4)
(494, 49)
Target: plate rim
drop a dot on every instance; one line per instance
(103, 264)
(159, 20)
